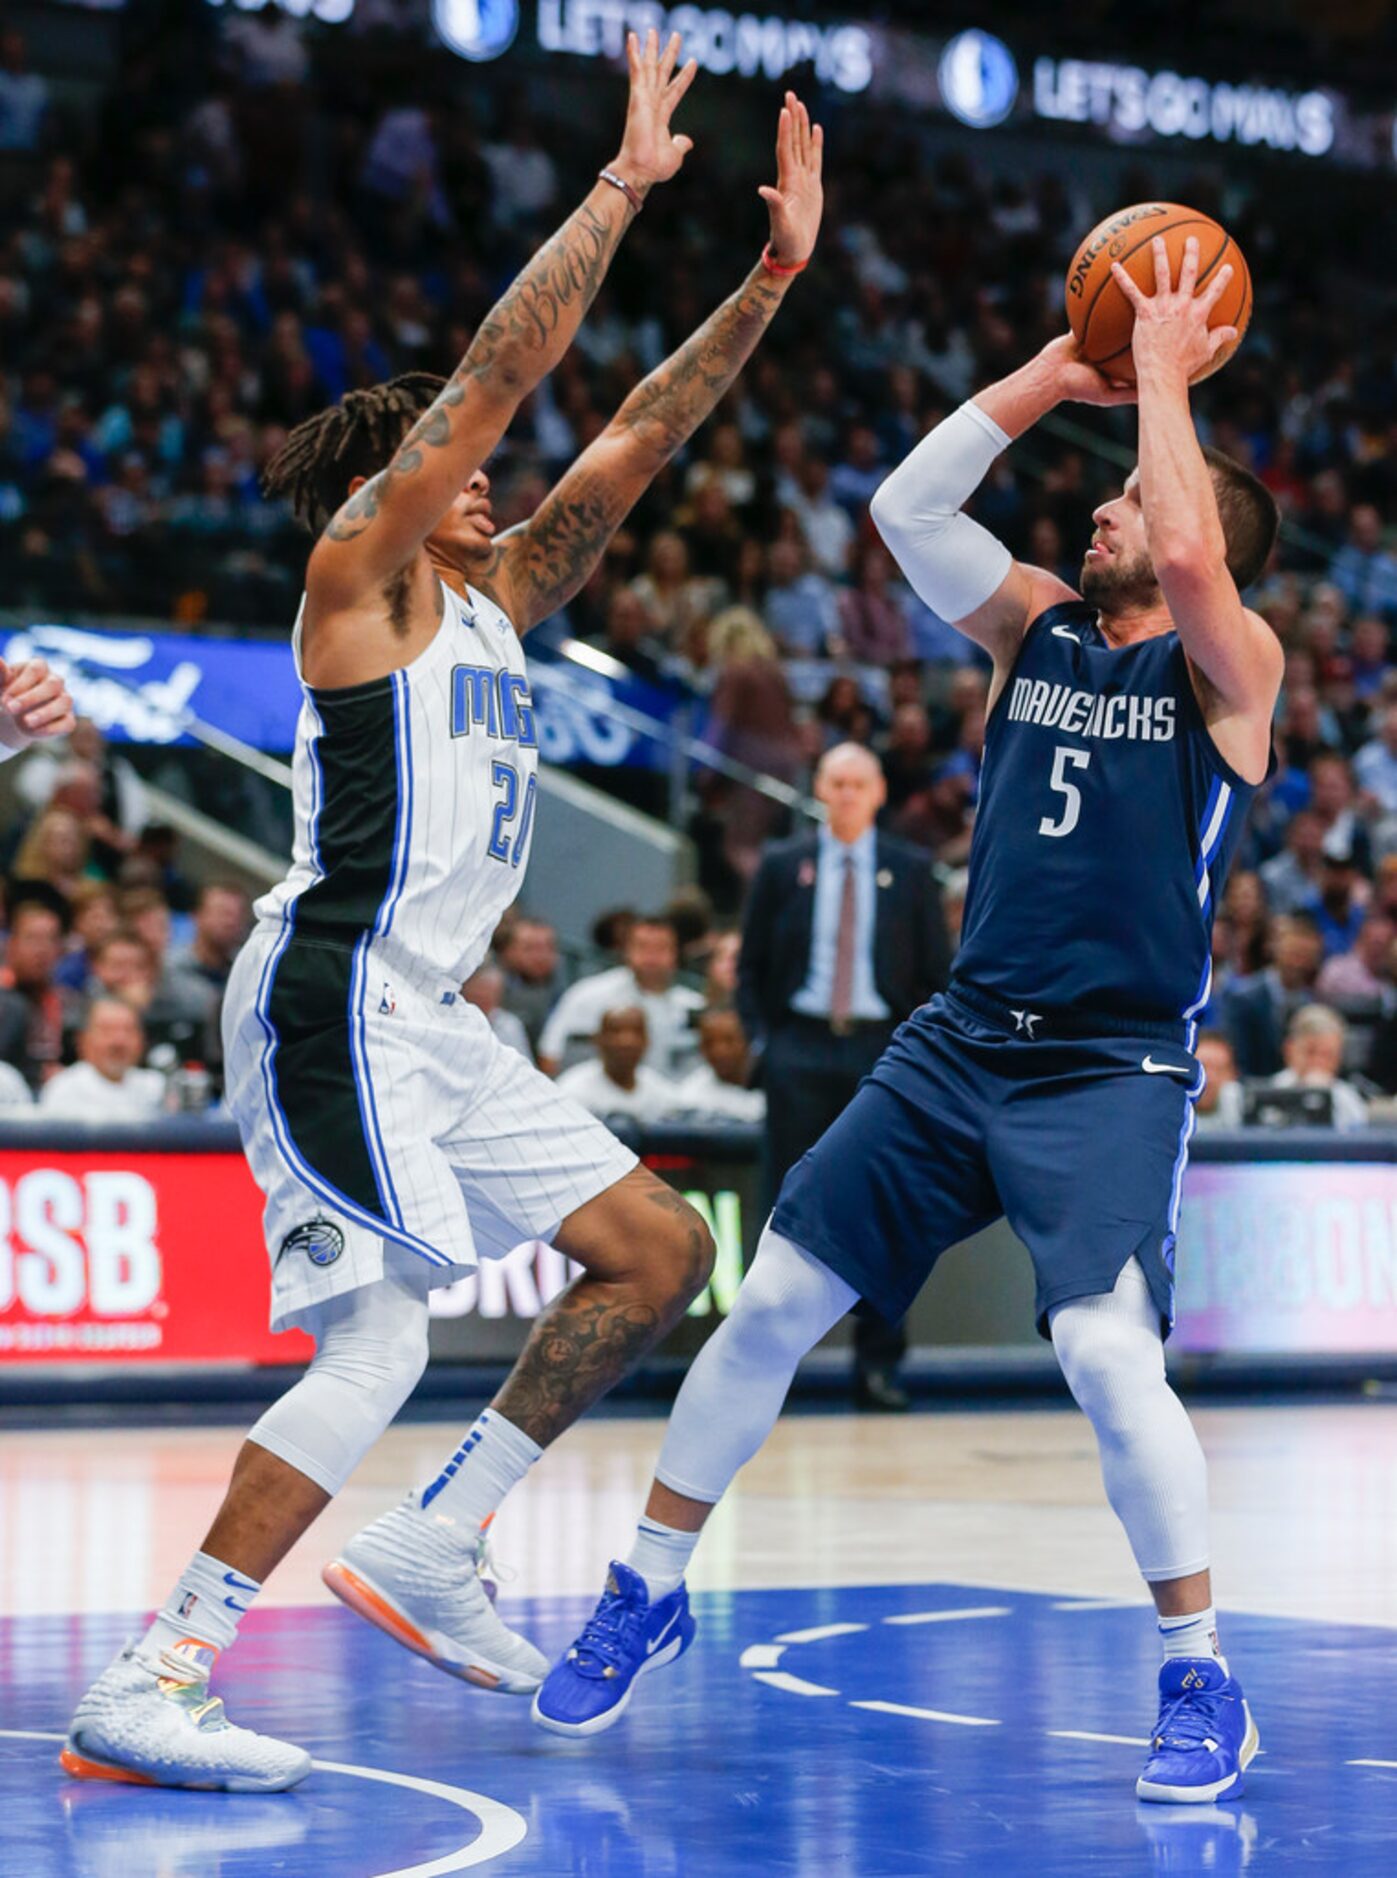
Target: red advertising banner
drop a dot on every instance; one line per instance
(106, 1258)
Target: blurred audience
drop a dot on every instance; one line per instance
(617, 1080)
(647, 982)
(106, 1084)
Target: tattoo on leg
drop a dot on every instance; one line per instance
(598, 1329)
(585, 1342)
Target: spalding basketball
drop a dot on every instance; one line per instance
(1101, 317)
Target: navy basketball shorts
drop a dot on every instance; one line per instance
(974, 1113)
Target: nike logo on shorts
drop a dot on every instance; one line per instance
(1151, 1068)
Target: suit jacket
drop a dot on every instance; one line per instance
(911, 948)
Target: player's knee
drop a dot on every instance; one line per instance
(1108, 1366)
(384, 1367)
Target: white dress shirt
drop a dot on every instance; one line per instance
(814, 997)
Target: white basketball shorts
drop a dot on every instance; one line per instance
(385, 1122)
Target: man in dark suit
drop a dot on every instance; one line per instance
(843, 937)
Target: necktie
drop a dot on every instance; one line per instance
(841, 996)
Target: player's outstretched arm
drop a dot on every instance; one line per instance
(1234, 649)
(380, 528)
(539, 566)
(956, 566)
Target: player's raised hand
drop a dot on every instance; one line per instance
(1077, 382)
(36, 698)
(797, 201)
(1171, 332)
(650, 151)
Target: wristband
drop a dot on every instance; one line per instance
(632, 195)
(780, 268)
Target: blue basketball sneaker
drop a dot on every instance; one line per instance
(1204, 1737)
(625, 1637)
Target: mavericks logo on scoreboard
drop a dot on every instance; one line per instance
(978, 78)
(477, 29)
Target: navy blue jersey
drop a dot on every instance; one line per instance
(1107, 823)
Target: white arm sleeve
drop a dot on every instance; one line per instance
(953, 564)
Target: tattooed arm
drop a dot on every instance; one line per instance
(538, 567)
(382, 525)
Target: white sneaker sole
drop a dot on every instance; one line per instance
(80, 1763)
(1219, 1789)
(600, 1723)
(353, 1587)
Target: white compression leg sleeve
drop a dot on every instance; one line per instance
(371, 1349)
(952, 563)
(1156, 1478)
(733, 1393)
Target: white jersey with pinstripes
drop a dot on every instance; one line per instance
(414, 799)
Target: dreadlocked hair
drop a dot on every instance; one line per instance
(356, 437)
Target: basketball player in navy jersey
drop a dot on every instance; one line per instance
(1054, 1081)
(396, 1140)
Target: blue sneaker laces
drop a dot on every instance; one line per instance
(1191, 1720)
(609, 1636)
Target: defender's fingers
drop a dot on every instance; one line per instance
(1219, 337)
(652, 50)
(785, 143)
(1163, 282)
(683, 145)
(1188, 273)
(1215, 288)
(1127, 286)
(633, 56)
(681, 82)
(817, 139)
(670, 59)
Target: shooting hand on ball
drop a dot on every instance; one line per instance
(1076, 382)
(1171, 337)
(650, 152)
(797, 201)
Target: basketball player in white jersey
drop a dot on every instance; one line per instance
(396, 1140)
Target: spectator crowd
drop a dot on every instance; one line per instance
(249, 224)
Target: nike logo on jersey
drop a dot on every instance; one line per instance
(1061, 632)
(653, 1643)
(1151, 1068)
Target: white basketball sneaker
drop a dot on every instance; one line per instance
(159, 1727)
(408, 1574)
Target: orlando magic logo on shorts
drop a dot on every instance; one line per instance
(320, 1239)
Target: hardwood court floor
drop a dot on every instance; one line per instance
(922, 1648)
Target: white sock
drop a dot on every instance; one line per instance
(494, 1457)
(1195, 1635)
(660, 1554)
(207, 1605)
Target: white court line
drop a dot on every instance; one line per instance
(951, 1617)
(819, 1632)
(1080, 1734)
(761, 1656)
(793, 1685)
(1372, 1763)
(929, 1714)
(1100, 1604)
(501, 1828)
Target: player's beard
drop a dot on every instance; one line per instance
(1117, 586)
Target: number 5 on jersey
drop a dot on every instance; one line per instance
(1064, 758)
(503, 846)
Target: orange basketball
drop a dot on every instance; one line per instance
(1101, 317)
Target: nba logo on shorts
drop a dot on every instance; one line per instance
(477, 30)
